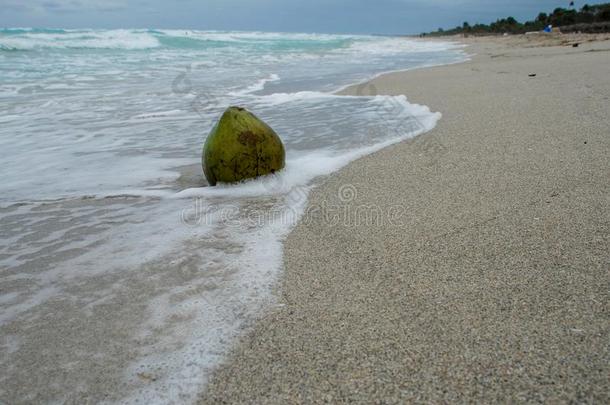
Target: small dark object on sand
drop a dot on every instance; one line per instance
(532, 75)
(575, 45)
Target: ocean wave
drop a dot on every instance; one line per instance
(17, 31)
(27, 40)
(34, 39)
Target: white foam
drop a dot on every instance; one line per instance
(159, 114)
(283, 98)
(249, 36)
(100, 39)
(258, 86)
(397, 45)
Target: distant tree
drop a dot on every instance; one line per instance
(598, 13)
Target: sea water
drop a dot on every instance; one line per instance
(123, 277)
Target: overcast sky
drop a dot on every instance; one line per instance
(334, 16)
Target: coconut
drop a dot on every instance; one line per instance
(241, 146)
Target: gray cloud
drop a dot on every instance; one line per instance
(357, 16)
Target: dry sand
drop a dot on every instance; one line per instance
(493, 285)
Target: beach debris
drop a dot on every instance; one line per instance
(575, 45)
(147, 377)
(241, 146)
(532, 75)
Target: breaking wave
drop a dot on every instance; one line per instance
(28, 39)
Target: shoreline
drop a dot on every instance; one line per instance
(347, 326)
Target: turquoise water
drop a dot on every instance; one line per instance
(103, 206)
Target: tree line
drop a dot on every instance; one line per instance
(594, 15)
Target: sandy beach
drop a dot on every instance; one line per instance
(480, 269)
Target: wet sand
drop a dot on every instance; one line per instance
(479, 270)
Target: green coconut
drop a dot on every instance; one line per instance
(241, 146)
